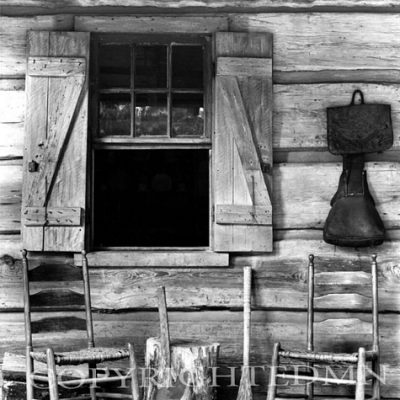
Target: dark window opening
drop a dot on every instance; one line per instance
(151, 198)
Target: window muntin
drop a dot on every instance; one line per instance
(150, 113)
(151, 86)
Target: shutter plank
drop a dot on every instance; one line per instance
(242, 143)
(61, 149)
(35, 133)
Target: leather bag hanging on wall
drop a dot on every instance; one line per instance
(353, 130)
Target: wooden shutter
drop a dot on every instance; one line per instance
(55, 151)
(242, 147)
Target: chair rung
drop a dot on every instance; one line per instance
(317, 379)
(114, 395)
(322, 357)
(94, 380)
(304, 371)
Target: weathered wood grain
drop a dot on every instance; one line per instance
(279, 280)
(328, 41)
(300, 111)
(235, 5)
(11, 138)
(154, 24)
(148, 259)
(13, 33)
(301, 195)
(299, 118)
(226, 329)
(12, 106)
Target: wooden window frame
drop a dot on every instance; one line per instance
(153, 256)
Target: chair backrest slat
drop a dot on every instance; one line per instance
(343, 290)
(50, 288)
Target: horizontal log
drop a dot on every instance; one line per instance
(300, 111)
(301, 195)
(332, 41)
(150, 259)
(13, 32)
(206, 5)
(11, 139)
(154, 24)
(12, 106)
(345, 334)
(279, 280)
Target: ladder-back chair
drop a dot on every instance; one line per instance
(282, 359)
(60, 298)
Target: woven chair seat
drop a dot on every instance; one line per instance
(97, 355)
(320, 356)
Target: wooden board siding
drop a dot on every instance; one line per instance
(224, 327)
(207, 5)
(13, 33)
(319, 59)
(301, 195)
(279, 280)
(331, 41)
(299, 118)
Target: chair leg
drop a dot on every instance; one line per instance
(360, 381)
(52, 374)
(310, 385)
(92, 386)
(376, 388)
(133, 372)
(29, 372)
(274, 369)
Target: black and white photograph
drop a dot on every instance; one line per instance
(200, 199)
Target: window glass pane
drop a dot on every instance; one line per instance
(151, 115)
(114, 114)
(187, 67)
(151, 198)
(114, 65)
(150, 66)
(187, 114)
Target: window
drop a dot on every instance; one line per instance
(151, 141)
(168, 162)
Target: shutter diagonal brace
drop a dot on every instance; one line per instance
(64, 144)
(244, 139)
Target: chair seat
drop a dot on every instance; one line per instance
(320, 356)
(96, 354)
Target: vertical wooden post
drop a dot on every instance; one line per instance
(165, 373)
(274, 370)
(28, 329)
(52, 374)
(360, 382)
(133, 373)
(375, 328)
(88, 304)
(310, 320)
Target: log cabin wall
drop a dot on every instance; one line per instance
(323, 50)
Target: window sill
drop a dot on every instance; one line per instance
(150, 259)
